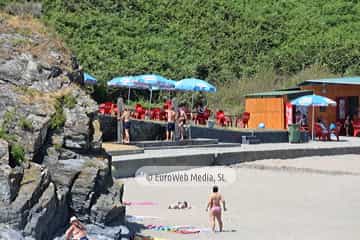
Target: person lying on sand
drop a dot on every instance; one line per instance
(180, 205)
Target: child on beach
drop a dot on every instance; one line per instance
(214, 205)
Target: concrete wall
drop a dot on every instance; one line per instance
(128, 168)
(235, 136)
(148, 130)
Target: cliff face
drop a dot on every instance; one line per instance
(51, 163)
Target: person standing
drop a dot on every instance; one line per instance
(171, 115)
(125, 117)
(76, 230)
(182, 122)
(214, 205)
(348, 124)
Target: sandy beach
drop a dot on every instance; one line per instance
(272, 199)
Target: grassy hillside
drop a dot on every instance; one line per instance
(246, 44)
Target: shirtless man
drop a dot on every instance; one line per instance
(215, 208)
(171, 115)
(125, 116)
(76, 230)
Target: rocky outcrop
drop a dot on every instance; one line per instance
(108, 208)
(92, 181)
(53, 120)
(33, 184)
(42, 214)
(77, 129)
(10, 179)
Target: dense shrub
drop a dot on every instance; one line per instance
(69, 101)
(17, 153)
(219, 40)
(25, 124)
(58, 118)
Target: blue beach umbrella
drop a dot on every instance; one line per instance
(156, 82)
(314, 101)
(195, 85)
(128, 82)
(88, 79)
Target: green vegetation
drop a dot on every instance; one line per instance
(57, 146)
(25, 124)
(218, 40)
(17, 153)
(69, 101)
(9, 118)
(58, 119)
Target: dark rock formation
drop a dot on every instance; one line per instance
(108, 207)
(10, 179)
(54, 121)
(77, 129)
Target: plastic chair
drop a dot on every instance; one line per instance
(319, 133)
(155, 114)
(356, 127)
(220, 118)
(245, 119)
(139, 112)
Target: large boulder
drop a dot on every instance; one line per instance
(108, 209)
(93, 180)
(33, 184)
(10, 179)
(40, 219)
(77, 130)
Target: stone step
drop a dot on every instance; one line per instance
(186, 142)
(250, 140)
(222, 145)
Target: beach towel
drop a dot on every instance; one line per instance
(139, 218)
(139, 203)
(176, 229)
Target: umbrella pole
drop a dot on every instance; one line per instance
(191, 117)
(150, 103)
(313, 122)
(129, 97)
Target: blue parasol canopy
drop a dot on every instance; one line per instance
(195, 85)
(156, 81)
(88, 79)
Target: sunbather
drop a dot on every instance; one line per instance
(180, 205)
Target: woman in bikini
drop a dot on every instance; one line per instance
(214, 205)
(76, 230)
(182, 123)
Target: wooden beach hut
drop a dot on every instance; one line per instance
(346, 93)
(273, 108)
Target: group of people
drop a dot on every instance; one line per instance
(175, 118)
(215, 204)
(172, 118)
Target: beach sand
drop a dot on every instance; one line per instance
(269, 203)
